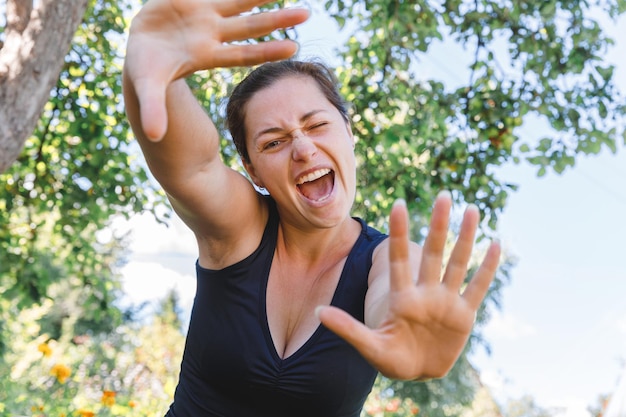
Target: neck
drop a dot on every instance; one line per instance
(317, 245)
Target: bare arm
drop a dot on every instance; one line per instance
(169, 40)
(187, 164)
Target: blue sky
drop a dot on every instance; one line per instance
(561, 335)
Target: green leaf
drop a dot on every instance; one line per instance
(541, 172)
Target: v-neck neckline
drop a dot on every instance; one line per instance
(320, 327)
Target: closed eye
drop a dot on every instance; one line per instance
(318, 125)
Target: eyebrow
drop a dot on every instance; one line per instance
(269, 130)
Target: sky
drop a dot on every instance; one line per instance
(561, 334)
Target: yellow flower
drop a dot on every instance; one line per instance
(85, 413)
(60, 372)
(108, 398)
(44, 349)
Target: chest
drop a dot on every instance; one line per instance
(292, 294)
(231, 358)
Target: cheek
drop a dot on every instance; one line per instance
(268, 169)
(349, 169)
(349, 152)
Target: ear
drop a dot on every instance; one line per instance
(252, 173)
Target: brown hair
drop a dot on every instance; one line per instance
(266, 75)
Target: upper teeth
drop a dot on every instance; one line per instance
(313, 176)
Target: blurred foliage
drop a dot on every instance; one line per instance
(599, 407)
(527, 407)
(131, 371)
(77, 173)
(523, 62)
(528, 62)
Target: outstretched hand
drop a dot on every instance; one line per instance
(171, 39)
(427, 323)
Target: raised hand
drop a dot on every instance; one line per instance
(171, 39)
(427, 323)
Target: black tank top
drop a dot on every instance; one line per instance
(230, 367)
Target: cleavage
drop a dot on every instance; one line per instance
(291, 299)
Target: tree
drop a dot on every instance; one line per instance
(76, 173)
(415, 136)
(539, 60)
(36, 37)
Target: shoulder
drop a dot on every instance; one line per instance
(217, 251)
(380, 260)
(372, 237)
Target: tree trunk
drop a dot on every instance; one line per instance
(36, 42)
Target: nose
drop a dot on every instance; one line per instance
(303, 148)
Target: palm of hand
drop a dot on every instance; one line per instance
(171, 39)
(422, 316)
(428, 323)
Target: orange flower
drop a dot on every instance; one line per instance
(44, 349)
(393, 405)
(85, 413)
(60, 372)
(415, 410)
(132, 404)
(108, 398)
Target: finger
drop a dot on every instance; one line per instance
(247, 55)
(253, 26)
(351, 330)
(399, 265)
(432, 253)
(152, 108)
(235, 7)
(456, 270)
(479, 285)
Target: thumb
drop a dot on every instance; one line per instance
(348, 328)
(153, 113)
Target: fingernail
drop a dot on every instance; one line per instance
(318, 309)
(399, 202)
(444, 193)
(472, 207)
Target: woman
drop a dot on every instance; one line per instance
(299, 305)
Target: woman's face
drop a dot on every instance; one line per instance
(302, 151)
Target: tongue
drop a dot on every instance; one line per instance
(318, 189)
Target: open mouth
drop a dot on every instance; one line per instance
(317, 186)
